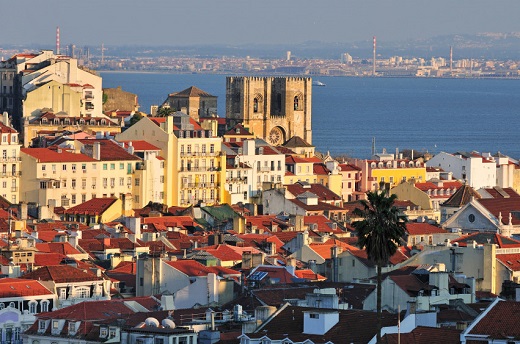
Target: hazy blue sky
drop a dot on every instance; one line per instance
(174, 22)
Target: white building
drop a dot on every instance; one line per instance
(479, 170)
(10, 160)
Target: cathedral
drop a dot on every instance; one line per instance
(272, 108)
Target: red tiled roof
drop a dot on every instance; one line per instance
(226, 253)
(46, 259)
(510, 261)
(501, 322)
(309, 275)
(503, 206)
(324, 194)
(17, 287)
(424, 335)
(63, 248)
(95, 206)
(61, 274)
(141, 145)
(49, 155)
(110, 150)
(193, 268)
(90, 311)
(482, 238)
(423, 228)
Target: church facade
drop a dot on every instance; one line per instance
(272, 108)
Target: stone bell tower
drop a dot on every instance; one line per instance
(273, 108)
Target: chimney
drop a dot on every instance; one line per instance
(96, 150)
(131, 148)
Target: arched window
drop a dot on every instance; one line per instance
(255, 105)
(298, 102)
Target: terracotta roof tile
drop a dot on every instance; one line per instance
(501, 322)
(61, 274)
(17, 287)
(95, 206)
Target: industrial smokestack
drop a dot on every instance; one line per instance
(57, 40)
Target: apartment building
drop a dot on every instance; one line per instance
(10, 161)
(64, 177)
(194, 162)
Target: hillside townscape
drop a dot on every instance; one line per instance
(180, 225)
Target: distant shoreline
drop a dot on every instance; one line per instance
(310, 76)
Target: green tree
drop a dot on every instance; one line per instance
(379, 233)
(135, 118)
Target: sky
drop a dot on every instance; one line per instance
(237, 22)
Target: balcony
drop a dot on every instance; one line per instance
(11, 174)
(10, 159)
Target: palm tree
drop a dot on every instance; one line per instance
(379, 233)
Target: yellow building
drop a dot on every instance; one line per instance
(384, 168)
(195, 166)
(90, 169)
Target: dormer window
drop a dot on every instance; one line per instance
(72, 328)
(103, 332)
(42, 324)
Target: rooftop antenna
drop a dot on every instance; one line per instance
(57, 40)
(374, 59)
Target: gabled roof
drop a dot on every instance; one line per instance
(461, 197)
(424, 335)
(295, 142)
(192, 91)
(95, 206)
(4, 129)
(354, 326)
(500, 321)
(61, 274)
(324, 194)
(110, 150)
(503, 207)
(238, 130)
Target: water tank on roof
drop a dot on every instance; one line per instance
(151, 322)
(168, 323)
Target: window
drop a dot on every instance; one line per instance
(121, 166)
(83, 198)
(161, 179)
(64, 167)
(112, 333)
(121, 181)
(255, 105)
(212, 148)
(105, 182)
(112, 166)
(44, 167)
(103, 332)
(72, 327)
(73, 199)
(32, 307)
(42, 325)
(73, 183)
(45, 306)
(314, 316)
(55, 324)
(73, 167)
(136, 181)
(112, 182)
(105, 167)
